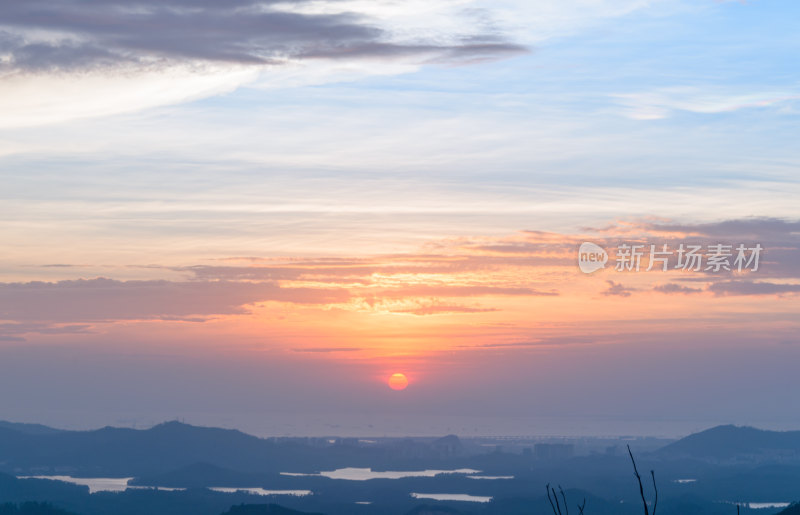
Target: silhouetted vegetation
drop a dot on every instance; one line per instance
(794, 509)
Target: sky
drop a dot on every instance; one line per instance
(252, 213)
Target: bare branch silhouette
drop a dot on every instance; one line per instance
(555, 505)
(566, 509)
(556, 498)
(639, 479)
(655, 501)
(551, 500)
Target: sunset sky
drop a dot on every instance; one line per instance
(253, 214)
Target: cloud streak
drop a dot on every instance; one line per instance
(752, 288)
(102, 299)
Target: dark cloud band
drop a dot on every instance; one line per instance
(77, 35)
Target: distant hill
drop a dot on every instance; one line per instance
(794, 509)
(171, 446)
(264, 509)
(736, 444)
(122, 451)
(31, 429)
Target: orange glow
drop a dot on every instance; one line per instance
(398, 381)
(521, 293)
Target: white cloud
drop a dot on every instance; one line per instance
(521, 20)
(37, 99)
(662, 102)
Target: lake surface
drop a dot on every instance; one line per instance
(760, 505)
(452, 497)
(364, 474)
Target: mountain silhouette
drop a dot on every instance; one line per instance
(32, 429)
(122, 451)
(736, 444)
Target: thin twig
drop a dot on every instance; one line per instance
(550, 499)
(566, 508)
(639, 479)
(556, 498)
(582, 506)
(655, 501)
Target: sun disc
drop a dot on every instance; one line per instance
(398, 381)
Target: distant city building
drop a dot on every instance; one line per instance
(553, 451)
(448, 446)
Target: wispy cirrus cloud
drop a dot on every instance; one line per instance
(664, 102)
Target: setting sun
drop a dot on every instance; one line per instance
(398, 381)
